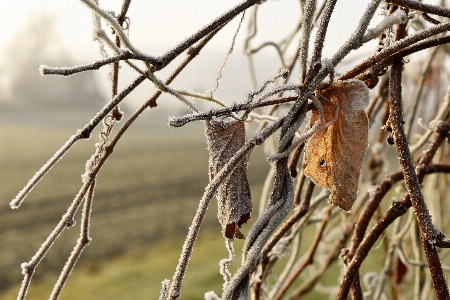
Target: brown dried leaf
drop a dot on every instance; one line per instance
(233, 195)
(334, 155)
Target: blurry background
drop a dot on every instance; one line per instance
(149, 190)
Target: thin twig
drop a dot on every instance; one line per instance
(218, 22)
(443, 114)
(332, 256)
(67, 71)
(397, 46)
(289, 127)
(229, 52)
(175, 288)
(307, 260)
(388, 262)
(114, 23)
(398, 208)
(419, 46)
(226, 111)
(294, 160)
(151, 102)
(308, 16)
(66, 221)
(418, 89)
(299, 213)
(267, 44)
(29, 268)
(280, 204)
(423, 7)
(316, 58)
(82, 242)
(322, 30)
(83, 133)
(429, 234)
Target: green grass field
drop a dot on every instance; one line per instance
(145, 199)
(137, 274)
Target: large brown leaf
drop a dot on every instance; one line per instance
(334, 155)
(233, 195)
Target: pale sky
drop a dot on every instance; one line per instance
(157, 26)
(165, 21)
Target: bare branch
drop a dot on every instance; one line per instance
(423, 7)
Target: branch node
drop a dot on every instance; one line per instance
(84, 134)
(86, 240)
(27, 268)
(70, 222)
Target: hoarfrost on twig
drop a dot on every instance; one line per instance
(224, 263)
(306, 135)
(397, 17)
(230, 51)
(210, 190)
(211, 296)
(165, 284)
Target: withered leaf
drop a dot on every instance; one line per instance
(334, 155)
(235, 203)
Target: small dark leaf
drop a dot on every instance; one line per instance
(234, 197)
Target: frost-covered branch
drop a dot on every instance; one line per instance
(286, 212)
(257, 139)
(399, 16)
(67, 71)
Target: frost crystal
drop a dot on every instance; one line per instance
(211, 296)
(41, 69)
(397, 17)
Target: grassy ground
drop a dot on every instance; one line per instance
(138, 273)
(145, 199)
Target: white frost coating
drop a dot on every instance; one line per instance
(24, 266)
(260, 233)
(165, 286)
(211, 296)
(259, 224)
(224, 263)
(398, 17)
(93, 5)
(210, 191)
(360, 96)
(276, 90)
(41, 69)
(309, 9)
(276, 156)
(283, 73)
(16, 202)
(328, 64)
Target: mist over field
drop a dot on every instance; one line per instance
(331, 171)
(148, 192)
(156, 173)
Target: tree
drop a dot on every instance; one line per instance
(332, 139)
(26, 89)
